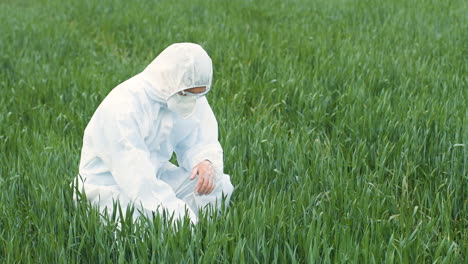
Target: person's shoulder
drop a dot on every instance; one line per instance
(119, 100)
(122, 102)
(203, 109)
(203, 102)
(129, 96)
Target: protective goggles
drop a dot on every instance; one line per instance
(186, 93)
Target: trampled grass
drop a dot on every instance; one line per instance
(344, 126)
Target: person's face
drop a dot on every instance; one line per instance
(194, 90)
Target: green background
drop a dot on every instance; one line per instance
(343, 123)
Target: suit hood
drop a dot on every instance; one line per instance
(180, 66)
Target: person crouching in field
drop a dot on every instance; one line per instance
(132, 135)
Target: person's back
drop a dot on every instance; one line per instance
(134, 132)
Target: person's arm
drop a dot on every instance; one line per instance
(200, 146)
(127, 156)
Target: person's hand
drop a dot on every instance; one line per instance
(206, 179)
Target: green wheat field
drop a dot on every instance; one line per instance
(344, 126)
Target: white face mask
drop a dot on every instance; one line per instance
(182, 105)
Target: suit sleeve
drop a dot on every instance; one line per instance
(203, 143)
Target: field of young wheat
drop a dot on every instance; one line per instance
(343, 123)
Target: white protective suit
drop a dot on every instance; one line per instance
(132, 135)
